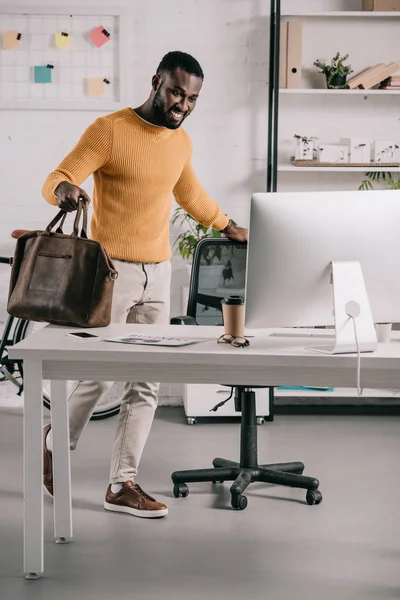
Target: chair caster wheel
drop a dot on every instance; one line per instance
(181, 489)
(217, 481)
(313, 497)
(239, 502)
(191, 421)
(260, 420)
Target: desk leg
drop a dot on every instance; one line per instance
(33, 469)
(61, 462)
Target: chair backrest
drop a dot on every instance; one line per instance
(218, 270)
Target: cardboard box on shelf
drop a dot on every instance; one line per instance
(381, 5)
(283, 55)
(294, 54)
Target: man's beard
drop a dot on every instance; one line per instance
(160, 113)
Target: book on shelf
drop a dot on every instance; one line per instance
(356, 81)
(379, 76)
(390, 83)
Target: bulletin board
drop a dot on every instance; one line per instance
(67, 59)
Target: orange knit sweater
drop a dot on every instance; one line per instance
(136, 168)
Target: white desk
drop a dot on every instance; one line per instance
(50, 354)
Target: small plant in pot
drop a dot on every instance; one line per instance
(336, 72)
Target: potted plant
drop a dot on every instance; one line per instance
(186, 243)
(336, 72)
(386, 179)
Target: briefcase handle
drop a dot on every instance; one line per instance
(62, 215)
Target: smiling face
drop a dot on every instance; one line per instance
(174, 97)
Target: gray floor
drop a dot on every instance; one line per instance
(279, 548)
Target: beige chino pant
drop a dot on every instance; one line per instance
(141, 295)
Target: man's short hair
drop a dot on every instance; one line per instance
(179, 60)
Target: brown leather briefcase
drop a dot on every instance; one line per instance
(62, 279)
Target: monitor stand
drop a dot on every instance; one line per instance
(350, 299)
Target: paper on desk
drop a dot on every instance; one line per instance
(151, 340)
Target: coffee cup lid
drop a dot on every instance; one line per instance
(233, 300)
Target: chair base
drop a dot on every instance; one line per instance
(248, 470)
(288, 474)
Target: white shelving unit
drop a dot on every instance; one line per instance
(327, 93)
(313, 91)
(366, 169)
(340, 14)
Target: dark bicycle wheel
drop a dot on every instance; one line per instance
(106, 408)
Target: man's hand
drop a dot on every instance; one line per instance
(239, 234)
(68, 196)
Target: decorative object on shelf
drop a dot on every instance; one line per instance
(385, 151)
(382, 178)
(305, 149)
(381, 5)
(336, 72)
(316, 163)
(333, 153)
(359, 150)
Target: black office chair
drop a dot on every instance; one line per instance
(208, 286)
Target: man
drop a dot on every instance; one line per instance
(139, 158)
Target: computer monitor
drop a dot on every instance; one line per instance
(294, 238)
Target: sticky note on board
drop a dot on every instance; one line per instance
(42, 74)
(11, 40)
(63, 40)
(95, 86)
(99, 36)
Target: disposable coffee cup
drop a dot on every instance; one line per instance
(383, 331)
(233, 315)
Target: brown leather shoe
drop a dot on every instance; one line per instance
(133, 500)
(47, 463)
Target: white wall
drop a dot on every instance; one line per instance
(230, 39)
